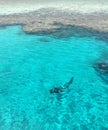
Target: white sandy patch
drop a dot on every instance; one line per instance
(77, 7)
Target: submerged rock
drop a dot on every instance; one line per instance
(102, 70)
(103, 66)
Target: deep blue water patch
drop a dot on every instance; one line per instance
(31, 65)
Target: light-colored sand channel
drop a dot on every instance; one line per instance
(21, 6)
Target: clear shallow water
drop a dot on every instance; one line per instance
(31, 65)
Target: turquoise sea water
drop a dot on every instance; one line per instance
(31, 65)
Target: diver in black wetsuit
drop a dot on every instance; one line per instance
(61, 89)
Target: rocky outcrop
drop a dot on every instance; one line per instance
(60, 24)
(102, 70)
